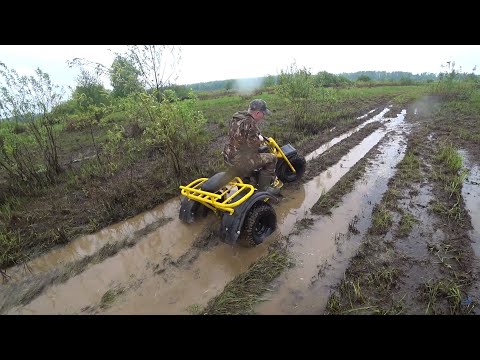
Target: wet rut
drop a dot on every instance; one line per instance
(169, 267)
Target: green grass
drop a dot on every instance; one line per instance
(409, 167)
(110, 296)
(407, 222)
(461, 117)
(391, 197)
(246, 290)
(10, 249)
(451, 212)
(451, 172)
(381, 220)
(454, 185)
(469, 135)
(333, 304)
(351, 290)
(449, 157)
(443, 290)
(384, 278)
(194, 309)
(330, 107)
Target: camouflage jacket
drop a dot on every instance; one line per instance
(243, 137)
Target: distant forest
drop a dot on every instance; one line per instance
(327, 79)
(389, 76)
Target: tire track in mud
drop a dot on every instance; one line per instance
(377, 117)
(423, 265)
(322, 251)
(323, 141)
(323, 183)
(24, 290)
(202, 262)
(331, 156)
(471, 195)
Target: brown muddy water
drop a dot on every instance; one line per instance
(471, 194)
(90, 244)
(328, 145)
(166, 271)
(323, 251)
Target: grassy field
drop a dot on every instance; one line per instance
(88, 196)
(400, 266)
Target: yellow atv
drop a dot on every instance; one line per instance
(247, 214)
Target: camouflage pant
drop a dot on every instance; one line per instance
(266, 161)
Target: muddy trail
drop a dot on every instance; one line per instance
(395, 244)
(154, 264)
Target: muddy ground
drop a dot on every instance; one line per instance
(415, 254)
(87, 198)
(369, 229)
(418, 256)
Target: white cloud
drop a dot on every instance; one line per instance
(201, 63)
(219, 62)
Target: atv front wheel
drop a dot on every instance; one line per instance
(286, 174)
(260, 222)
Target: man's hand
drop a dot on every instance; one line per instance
(263, 138)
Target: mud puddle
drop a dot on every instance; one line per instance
(213, 269)
(90, 244)
(312, 190)
(328, 145)
(471, 196)
(364, 116)
(322, 252)
(164, 273)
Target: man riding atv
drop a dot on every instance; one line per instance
(241, 152)
(243, 194)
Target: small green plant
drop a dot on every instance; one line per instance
(194, 309)
(409, 167)
(351, 225)
(109, 297)
(384, 278)
(297, 87)
(245, 290)
(454, 185)
(355, 283)
(381, 220)
(455, 212)
(406, 224)
(448, 156)
(10, 247)
(324, 204)
(436, 290)
(391, 196)
(333, 304)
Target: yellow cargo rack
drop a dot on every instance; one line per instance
(220, 200)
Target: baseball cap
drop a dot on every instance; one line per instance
(259, 105)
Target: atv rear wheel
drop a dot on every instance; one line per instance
(260, 222)
(286, 174)
(191, 210)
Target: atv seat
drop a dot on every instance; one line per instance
(218, 181)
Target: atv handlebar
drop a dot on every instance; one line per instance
(272, 146)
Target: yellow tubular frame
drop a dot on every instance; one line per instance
(214, 200)
(219, 200)
(277, 150)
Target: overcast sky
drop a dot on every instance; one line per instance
(202, 63)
